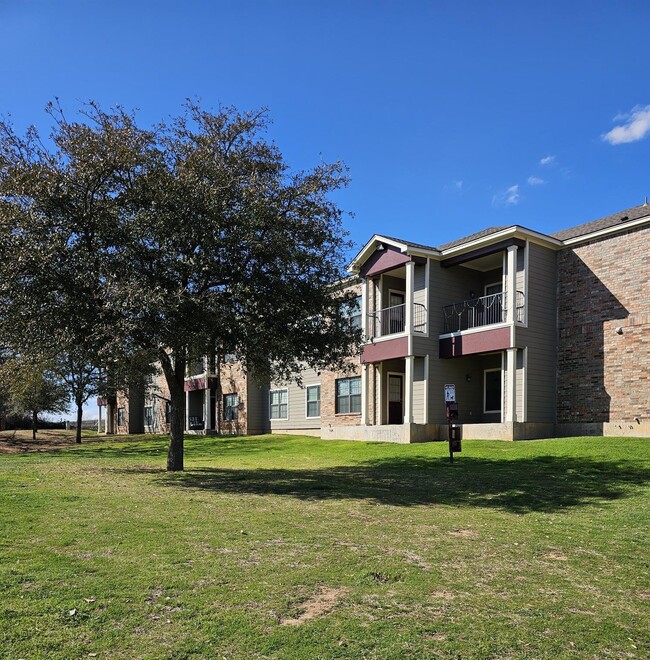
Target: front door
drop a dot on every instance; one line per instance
(395, 399)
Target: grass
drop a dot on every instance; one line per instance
(287, 547)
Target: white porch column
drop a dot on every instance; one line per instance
(364, 394)
(408, 390)
(511, 283)
(187, 411)
(99, 418)
(410, 288)
(379, 408)
(511, 385)
(207, 408)
(426, 388)
(364, 306)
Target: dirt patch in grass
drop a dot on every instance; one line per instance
(318, 605)
(20, 441)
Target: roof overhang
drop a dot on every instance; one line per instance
(377, 241)
(614, 229)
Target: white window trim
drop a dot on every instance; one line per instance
(491, 412)
(336, 395)
(307, 401)
(236, 407)
(280, 389)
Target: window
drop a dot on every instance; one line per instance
(230, 405)
(168, 412)
(313, 401)
(492, 391)
(148, 415)
(355, 316)
(348, 395)
(279, 403)
(121, 417)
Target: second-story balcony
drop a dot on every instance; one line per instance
(480, 312)
(392, 320)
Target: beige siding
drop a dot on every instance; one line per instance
(298, 404)
(419, 387)
(540, 335)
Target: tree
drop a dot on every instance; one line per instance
(188, 239)
(33, 388)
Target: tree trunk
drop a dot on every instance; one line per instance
(34, 423)
(80, 414)
(175, 377)
(177, 430)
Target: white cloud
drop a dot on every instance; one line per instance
(547, 160)
(636, 126)
(510, 197)
(458, 185)
(535, 181)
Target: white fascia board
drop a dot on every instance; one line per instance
(369, 247)
(609, 230)
(508, 232)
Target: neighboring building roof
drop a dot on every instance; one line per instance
(634, 213)
(472, 237)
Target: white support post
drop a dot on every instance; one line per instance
(379, 407)
(187, 411)
(99, 418)
(511, 283)
(364, 307)
(410, 289)
(408, 390)
(511, 385)
(426, 388)
(364, 394)
(207, 408)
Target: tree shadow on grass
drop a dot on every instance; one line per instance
(541, 484)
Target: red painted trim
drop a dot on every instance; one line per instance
(485, 341)
(381, 261)
(193, 384)
(385, 350)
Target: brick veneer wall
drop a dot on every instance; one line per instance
(328, 399)
(233, 381)
(604, 376)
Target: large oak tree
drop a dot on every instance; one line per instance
(188, 238)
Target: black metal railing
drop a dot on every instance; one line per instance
(479, 312)
(392, 320)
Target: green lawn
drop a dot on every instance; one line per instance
(286, 547)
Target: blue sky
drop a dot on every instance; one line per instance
(452, 116)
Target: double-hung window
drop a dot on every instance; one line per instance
(279, 404)
(121, 417)
(313, 401)
(148, 415)
(348, 395)
(230, 406)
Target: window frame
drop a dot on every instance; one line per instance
(279, 404)
(337, 407)
(233, 415)
(307, 401)
(148, 410)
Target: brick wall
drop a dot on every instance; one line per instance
(328, 414)
(604, 376)
(233, 381)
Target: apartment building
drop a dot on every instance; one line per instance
(540, 335)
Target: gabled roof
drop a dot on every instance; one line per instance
(607, 222)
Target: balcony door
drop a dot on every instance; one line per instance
(395, 399)
(396, 317)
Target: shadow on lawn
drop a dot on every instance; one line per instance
(543, 484)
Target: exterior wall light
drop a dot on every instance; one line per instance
(618, 330)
